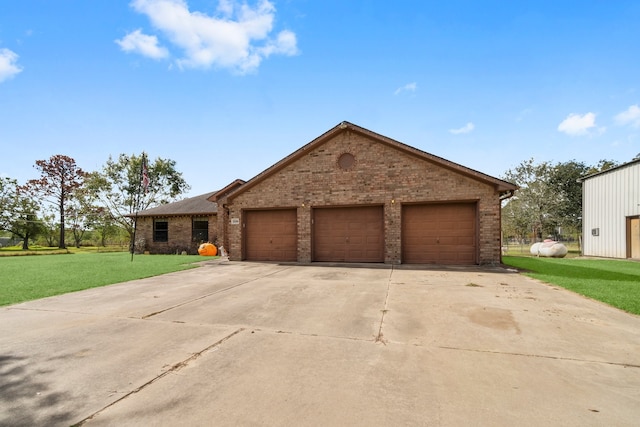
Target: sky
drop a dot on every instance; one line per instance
(227, 88)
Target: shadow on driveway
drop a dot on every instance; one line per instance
(25, 396)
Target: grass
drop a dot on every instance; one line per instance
(25, 278)
(615, 282)
(47, 250)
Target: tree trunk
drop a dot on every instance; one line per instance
(61, 244)
(25, 242)
(77, 237)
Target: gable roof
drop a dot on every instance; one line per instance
(226, 190)
(503, 187)
(198, 205)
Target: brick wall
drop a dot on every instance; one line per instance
(223, 224)
(180, 234)
(382, 175)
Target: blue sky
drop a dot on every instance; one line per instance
(227, 88)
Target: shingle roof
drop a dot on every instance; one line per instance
(227, 190)
(198, 205)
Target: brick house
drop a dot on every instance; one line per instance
(352, 195)
(179, 226)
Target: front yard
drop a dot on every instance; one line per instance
(25, 278)
(615, 282)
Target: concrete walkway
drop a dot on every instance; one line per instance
(266, 344)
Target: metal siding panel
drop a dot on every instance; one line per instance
(611, 214)
(633, 195)
(608, 200)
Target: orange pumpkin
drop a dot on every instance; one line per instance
(207, 249)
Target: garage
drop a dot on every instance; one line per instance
(363, 197)
(353, 234)
(271, 235)
(439, 233)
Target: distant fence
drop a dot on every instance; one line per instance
(9, 241)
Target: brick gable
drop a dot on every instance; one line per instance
(380, 173)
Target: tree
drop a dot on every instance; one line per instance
(84, 213)
(564, 183)
(104, 225)
(8, 189)
(549, 197)
(51, 229)
(530, 209)
(602, 166)
(514, 223)
(18, 212)
(119, 187)
(59, 180)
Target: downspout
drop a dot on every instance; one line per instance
(505, 196)
(225, 228)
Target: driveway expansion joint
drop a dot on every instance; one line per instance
(146, 316)
(542, 356)
(310, 334)
(173, 369)
(380, 336)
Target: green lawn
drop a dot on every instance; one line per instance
(24, 278)
(614, 282)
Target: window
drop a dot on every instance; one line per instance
(160, 230)
(200, 230)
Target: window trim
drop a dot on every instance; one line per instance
(158, 233)
(197, 238)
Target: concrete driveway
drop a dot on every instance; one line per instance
(265, 344)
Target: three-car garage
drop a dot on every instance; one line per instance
(386, 203)
(432, 233)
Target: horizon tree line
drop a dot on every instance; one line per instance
(66, 196)
(548, 200)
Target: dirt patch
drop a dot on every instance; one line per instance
(495, 318)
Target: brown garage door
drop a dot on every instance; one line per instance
(271, 235)
(348, 234)
(439, 233)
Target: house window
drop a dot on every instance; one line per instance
(200, 230)
(160, 230)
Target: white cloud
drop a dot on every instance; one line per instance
(523, 114)
(409, 87)
(237, 38)
(576, 125)
(225, 7)
(464, 129)
(143, 44)
(629, 117)
(8, 64)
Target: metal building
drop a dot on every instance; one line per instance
(611, 212)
